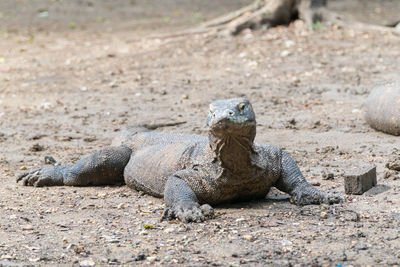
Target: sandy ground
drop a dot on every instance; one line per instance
(73, 73)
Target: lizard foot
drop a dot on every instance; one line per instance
(43, 176)
(188, 211)
(307, 196)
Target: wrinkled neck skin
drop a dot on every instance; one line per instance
(233, 151)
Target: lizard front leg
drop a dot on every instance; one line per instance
(293, 182)
(181, 201)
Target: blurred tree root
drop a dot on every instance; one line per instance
(270, 13)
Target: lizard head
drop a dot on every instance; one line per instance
(232, 117)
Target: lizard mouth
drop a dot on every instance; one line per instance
(227, 126)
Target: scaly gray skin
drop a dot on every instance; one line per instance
(192, 172)
(383, 108)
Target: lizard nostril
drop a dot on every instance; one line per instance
(230, 112)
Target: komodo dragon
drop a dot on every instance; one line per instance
(192, 170)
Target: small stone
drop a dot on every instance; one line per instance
(6, 257)
(113, 84)
(350, 215)
(289, 43)
(36, 148)
(46, 105)
(23, 168)
(285, 53)
(248, 237)
(327, 176)
(27, 227)
(286, 243)
(144, 232)
(324, 207)
(361, 181)
(86, 263)
(323, 215)
(121, 206)
(393, 164)
(71, 246)
(169, 230)
(102, 195)
(389, 174)
(90, 139)
(141, 256)
(151, 259)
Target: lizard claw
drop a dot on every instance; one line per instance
(43, 176)
(307, 195)
(24, 176)
(188, 212)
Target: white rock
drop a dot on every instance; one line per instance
(87, 263)
(248, 237)
(169, 230)
(151, 259)
(289, 43)
(285, 53)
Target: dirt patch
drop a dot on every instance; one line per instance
(67, 89)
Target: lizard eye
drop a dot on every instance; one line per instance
(241, 106)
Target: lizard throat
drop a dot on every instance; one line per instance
(234, 152)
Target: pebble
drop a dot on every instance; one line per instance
(46, 105)
(144, 232)
(248, 237)
(169, 230)
(86, 263)
(151, 259)
(323, 215)
(6, 257)
(27, 227)
(393, 164)
(36, 148)
(286, 243)
(390, 174)
(102, 194)
(324, 207)
(285, 53)
(327, 176)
